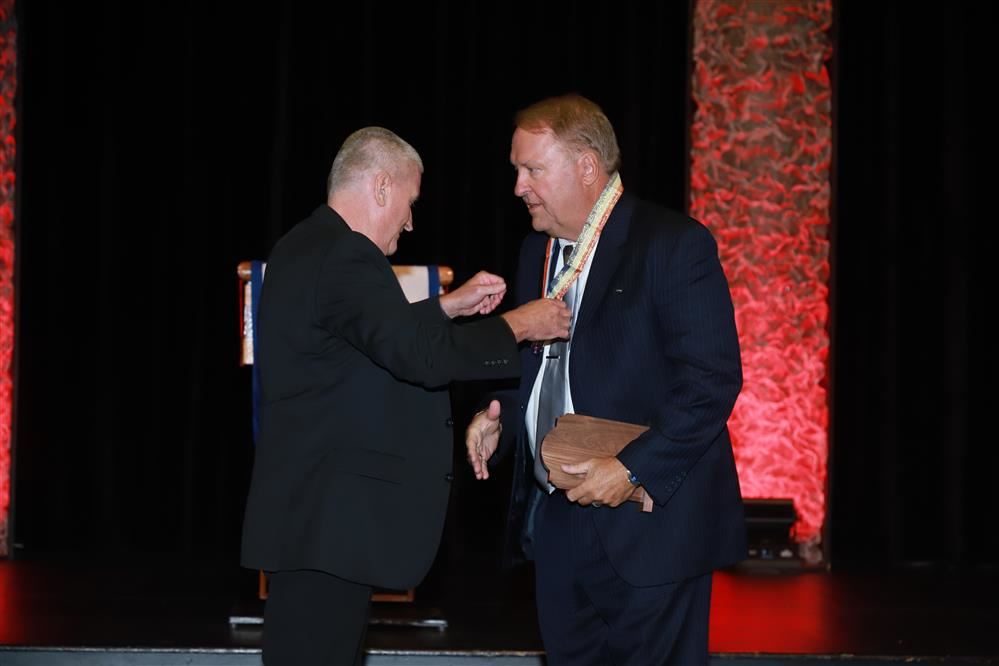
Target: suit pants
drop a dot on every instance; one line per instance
(313, 618)
(590, 616)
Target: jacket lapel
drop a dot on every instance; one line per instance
(607, 258)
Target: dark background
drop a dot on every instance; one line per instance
(161, 144)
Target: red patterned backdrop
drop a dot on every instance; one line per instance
(760, 166)
(8, 147)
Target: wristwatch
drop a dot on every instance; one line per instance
(632, 479)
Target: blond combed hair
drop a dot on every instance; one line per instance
(576, 122)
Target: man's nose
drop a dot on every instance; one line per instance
(519, 188)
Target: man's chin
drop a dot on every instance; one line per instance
(540, 224)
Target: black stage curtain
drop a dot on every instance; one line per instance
(163, 143)
(914, 256)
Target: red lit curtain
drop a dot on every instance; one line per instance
(8, 119)
(760, 167)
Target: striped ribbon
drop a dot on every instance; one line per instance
(587, 239)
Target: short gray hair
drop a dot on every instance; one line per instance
(369, 148)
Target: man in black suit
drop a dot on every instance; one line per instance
(353, 463)
(654, 343)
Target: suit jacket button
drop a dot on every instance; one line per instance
(449, 422)
(449, 477)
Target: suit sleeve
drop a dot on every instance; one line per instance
(695, 318)
(359, 299)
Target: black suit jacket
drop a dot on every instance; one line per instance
(353, 463)
(654, 344)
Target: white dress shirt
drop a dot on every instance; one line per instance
(531, 416)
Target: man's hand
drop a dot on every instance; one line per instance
(480, 295)
(606, 482)
(482, 438)
(543, 319)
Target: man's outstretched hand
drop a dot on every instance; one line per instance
(480, 295)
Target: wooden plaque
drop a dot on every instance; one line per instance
(576, 438)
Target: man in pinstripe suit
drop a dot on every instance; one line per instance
(653, 342)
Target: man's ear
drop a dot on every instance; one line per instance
(381, 184)
(589, 167)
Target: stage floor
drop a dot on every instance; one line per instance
(759, 614)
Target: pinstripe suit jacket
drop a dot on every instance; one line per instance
(654, 344)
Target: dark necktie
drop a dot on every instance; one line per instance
(551, 398)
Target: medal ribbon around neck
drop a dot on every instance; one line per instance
(587, 239)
